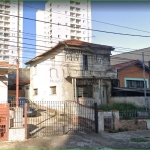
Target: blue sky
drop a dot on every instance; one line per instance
(132, 14)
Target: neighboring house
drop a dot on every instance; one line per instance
(130, 88)
(130, 74)
(5, 68)
(72, 70)
(132, 55)
(24, 81)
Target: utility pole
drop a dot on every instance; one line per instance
(149, 70)
(17, 61)
(144, 81)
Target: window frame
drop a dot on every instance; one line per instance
(136, 80)
(35, 92)
(53, 90)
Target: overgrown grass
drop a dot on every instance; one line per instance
(139, 140)
(120, 107)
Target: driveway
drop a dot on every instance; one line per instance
(85, 140)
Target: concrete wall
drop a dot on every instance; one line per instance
(130, 125)
(139, 101)
(3, 89)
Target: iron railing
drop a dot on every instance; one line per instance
(134, 114)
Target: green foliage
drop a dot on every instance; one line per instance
(113, 131)
(120, 106)
(139, 140)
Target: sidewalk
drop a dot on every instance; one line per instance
(84, 140)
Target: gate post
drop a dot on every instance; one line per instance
(25, 121)
(96, 117)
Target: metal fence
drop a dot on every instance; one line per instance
(134, 114)
(44, 118)
(60, 117)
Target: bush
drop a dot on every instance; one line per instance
(120, 106)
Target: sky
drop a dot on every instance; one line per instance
(128, 14)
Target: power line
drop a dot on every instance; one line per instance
(94, 20)
(95, 30)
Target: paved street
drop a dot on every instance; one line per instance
(84, 140)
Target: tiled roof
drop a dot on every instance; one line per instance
(82, 43)
(72, 43)
(125, 64)
(5, 64)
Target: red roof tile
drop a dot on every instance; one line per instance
(6, 64)
(72, 42)
(125, 64)
(82, 43)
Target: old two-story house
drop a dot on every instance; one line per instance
(5, 68)
(72, 70)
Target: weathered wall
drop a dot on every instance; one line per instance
(139, 101)
(130, 125)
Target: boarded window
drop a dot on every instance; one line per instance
(53, 89)
(85, 91)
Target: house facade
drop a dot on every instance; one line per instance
(72, 70)
(130, 74)
(5, 68)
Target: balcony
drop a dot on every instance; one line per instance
(7, 8)
(78, 22)
(72, 22)
(7, 25)
(78, 10)
(6, 42)
(73, 73)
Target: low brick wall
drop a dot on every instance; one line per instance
(130, 125)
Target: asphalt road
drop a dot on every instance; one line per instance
(84, 140)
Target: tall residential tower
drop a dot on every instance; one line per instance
(10, 24)
(60, 21)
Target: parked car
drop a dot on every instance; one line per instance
(31, 107)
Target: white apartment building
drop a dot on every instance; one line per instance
(9, 27)
(62, 21)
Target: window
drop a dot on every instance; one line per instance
(58, 36)
(85, 62)
(83, 21)
(35, 91)
(135, 83)
(35, 70)
(85, 91)
(53, 89)
(66, 36)
(65, 12)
